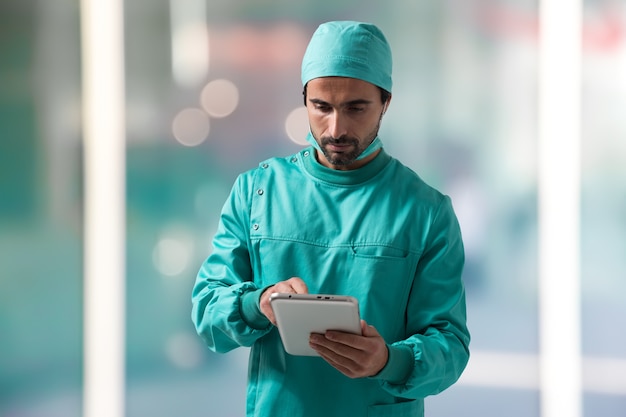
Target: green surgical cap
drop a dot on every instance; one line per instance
(348, 49)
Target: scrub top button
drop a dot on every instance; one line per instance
(264, 166)
(259, 191)
(255, 226)
(294, 159)
(306, 153)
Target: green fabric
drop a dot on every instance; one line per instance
(348, 49)
(379, 234)
(250, 310)
(398, 366)
(371, 148)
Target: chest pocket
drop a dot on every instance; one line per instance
(413, 408)
(383, 276)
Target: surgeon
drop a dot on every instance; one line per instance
(341, 216)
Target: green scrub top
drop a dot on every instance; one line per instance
(378, 233)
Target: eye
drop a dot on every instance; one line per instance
(322, 107)
(356, 109)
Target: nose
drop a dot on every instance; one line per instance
(337, 125)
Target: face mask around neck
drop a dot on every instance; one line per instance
(373, 147)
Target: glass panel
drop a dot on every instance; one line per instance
(40, 210)
(603, 209)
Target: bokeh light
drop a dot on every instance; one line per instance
(191, 127)
(172, 253)
(219, 98)
(184, 350)
(297, 125)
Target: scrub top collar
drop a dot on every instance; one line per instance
(340, 177)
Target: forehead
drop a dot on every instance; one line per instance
(341, 89)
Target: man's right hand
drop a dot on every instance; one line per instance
(294, 285)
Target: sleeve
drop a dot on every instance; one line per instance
(224, 298)
(436, 317)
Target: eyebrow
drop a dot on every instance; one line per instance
(356, 102)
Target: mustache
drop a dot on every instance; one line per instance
(339, 141)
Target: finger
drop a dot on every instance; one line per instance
(294, 285)
(352, 362)
(340, 366)
(368, 331)
(342, 345)
(337, 339)
(298, 285)
(351, 366)
(351, 339)
(265, 306)
(332, 352)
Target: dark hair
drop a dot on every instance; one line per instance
(384, 95)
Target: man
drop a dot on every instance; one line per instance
(340, 217)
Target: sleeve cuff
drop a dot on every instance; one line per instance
(250, 311)
(399, 365)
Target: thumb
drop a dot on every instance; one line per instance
(367, 330)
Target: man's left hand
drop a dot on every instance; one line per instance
(355, 356)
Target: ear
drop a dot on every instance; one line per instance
(386, 105)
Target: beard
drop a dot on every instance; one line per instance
(341, 158)
(353, 147)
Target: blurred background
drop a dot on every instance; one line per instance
(464, 116)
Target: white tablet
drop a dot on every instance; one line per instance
(299, 315)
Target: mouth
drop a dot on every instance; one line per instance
(338, 147)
